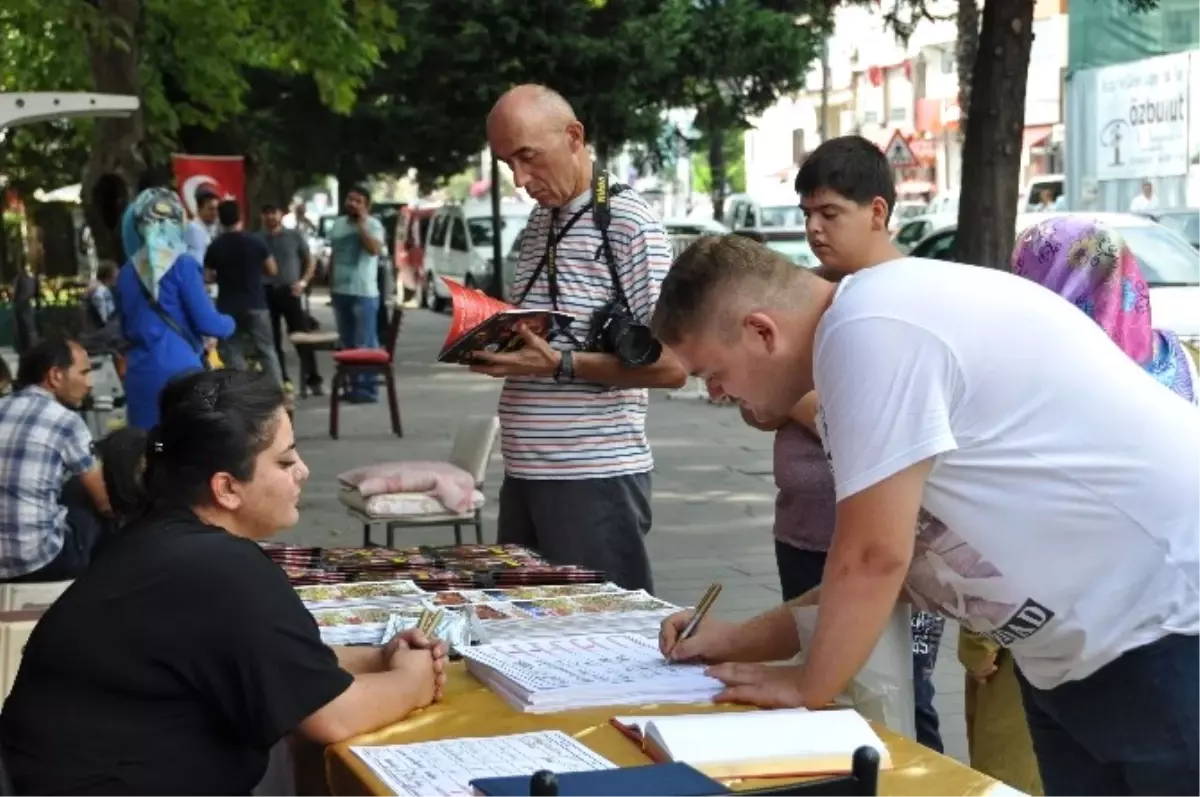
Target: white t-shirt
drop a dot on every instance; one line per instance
(1067, 478)
(1142, 203)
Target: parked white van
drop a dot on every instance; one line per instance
(460, 246)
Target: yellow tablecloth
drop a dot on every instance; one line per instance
(471, 709)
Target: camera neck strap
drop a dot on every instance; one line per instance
(601, 215)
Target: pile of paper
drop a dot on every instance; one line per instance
(546, 675)
(447, 767)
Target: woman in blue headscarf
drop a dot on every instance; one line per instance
(165, 310)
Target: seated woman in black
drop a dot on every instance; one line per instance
(182, 655)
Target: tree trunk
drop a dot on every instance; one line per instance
(116, 163)
(716, 168)
(966, 51)
(991, 163)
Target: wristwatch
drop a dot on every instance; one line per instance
(565, 372)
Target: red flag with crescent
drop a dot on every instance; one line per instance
(222, 175)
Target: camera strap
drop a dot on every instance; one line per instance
(601, 215)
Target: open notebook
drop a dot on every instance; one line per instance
(757, 743)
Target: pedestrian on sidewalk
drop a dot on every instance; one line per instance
(241, 261)
(355, 243)
(1052, 481)
(166, 312)
(285, 291)
(201, 231)
(573, 421)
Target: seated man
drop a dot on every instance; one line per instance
(52, 488)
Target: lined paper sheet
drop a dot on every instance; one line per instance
(447, 767)
(542, 675)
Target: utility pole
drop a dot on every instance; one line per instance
(823, 126)
(497, 226)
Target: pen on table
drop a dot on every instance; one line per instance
(706, 602)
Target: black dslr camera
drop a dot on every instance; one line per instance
(615, 331)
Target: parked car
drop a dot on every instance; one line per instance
(320, 246)
(914, 230)
(460, 246)
(745, 212)
(792, 243)
(1170, 266)
(905, 211)
(1184, 221)
(1031, 197)
(683, 232)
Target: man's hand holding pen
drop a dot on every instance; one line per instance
(691, 636)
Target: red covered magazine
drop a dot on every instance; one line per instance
(482, 323)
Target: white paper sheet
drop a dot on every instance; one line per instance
(579, 671)
(448, 767)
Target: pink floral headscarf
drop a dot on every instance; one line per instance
(1091, 267)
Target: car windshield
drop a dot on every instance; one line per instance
(481, 232)
(781, 216)
(796, 250)
(1164, 257)
(909, 211)
(1185, 224)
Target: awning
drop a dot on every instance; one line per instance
(1035, 136)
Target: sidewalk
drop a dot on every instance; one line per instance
(713, 496)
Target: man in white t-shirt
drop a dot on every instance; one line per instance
(201, 231)
(1145, 201)
(1060, 482)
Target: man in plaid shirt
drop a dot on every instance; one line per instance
(51, 490)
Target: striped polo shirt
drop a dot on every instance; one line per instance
(582, 430)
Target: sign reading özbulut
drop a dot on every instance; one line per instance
(1141, 120)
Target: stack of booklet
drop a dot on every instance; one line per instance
(748, 744)
(540, 676)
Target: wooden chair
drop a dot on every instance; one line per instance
(374, 362)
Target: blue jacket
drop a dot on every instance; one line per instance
(157, 353)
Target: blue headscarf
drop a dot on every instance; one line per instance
(152, 230)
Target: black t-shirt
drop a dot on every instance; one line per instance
(171, 666)
(238, 258)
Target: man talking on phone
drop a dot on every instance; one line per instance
(355, 242)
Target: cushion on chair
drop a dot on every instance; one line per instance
(316, 338)
(361, 357)
(391, 505)
(450, 485)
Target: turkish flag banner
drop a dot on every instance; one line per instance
(223, 175)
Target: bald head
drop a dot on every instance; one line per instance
(533, 129)
(531, 103)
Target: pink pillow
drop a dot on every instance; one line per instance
(450, 484)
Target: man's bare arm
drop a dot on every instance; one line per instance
(864, 574)
(369, 242)
(606, 369)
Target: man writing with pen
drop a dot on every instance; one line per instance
(944, 410)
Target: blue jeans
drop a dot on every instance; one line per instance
(356, 321)
(1128, 728)
(801, 570)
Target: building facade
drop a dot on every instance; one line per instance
(890, 90)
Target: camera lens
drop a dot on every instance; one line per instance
(637, 346)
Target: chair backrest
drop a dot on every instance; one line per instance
(394, 333)
(473, 443)
(863, 781)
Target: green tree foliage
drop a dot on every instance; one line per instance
(196, 58)
(738, 58)
(735, 164)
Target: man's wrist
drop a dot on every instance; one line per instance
(563, 366)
